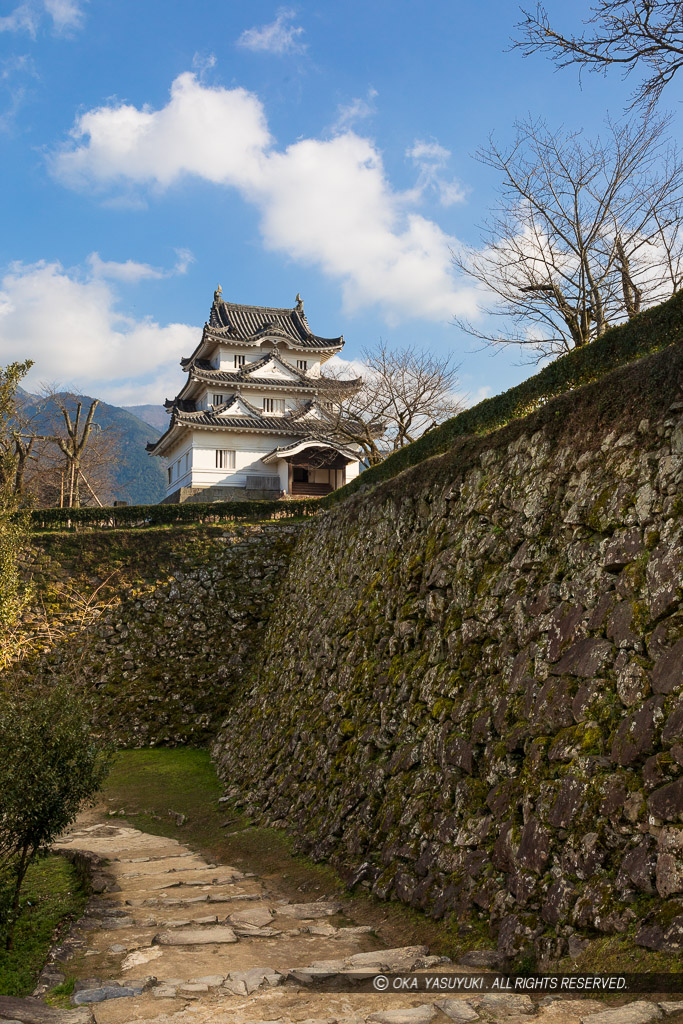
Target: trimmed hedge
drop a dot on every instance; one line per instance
(157, 515)
(655, 329)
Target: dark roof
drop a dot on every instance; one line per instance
(208, 418)
(244, 323)
(184, 404)
(189, 361)
(240, 377)
(315, 442)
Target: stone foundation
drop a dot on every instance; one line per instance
(201, 494)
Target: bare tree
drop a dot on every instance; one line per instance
(404, 393)
(73, 445)
(13, 526)
(586, 234)
(73, 457)
(16, 440)
(620, 33)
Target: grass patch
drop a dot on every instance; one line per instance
(617, 954)
(60, 995)
(52, 897)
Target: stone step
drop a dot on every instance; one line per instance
(639, 1012)
(32, 1011)
(189, 882)
(195, 936)
(257, 916)
(310, 911)
(458, 1010)
(411, 1015)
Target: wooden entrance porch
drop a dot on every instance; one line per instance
(316, 472)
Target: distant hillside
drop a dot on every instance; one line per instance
(139, 479)
(155, 415)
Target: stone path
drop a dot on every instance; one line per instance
(171, 939)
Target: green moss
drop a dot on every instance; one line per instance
(441, 707)
(595, 517)
(640, 621)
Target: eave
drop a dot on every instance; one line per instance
(213, 337)
(277, 426)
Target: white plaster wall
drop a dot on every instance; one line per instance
(282, 469)
(248, 448)
(182, 470)
(253, 396)
(201, 447)
(224, 356)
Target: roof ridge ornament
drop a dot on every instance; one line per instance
(218, 295)
(299, 303)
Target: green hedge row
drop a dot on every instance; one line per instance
(655, 329)
(156, 515)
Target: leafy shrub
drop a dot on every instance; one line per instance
(49, 765)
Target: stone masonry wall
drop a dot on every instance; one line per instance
(163, 658)
(469, 695)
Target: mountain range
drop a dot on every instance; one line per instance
(155, 415)
(138, 478)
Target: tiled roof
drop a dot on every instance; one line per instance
(240, 377)
(246, 322)
(314, 443)
(184, 404)
(209, 418)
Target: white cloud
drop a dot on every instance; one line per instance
(17, 65)
(279, 37)
(469, 398)
(22, 19)
(431, 159)
(66, 15)
(71, 324)
(132, 272)
(203, 63)
(15, 73)
(323, 202)
(348, 369)
(212, 133)
(357, 109)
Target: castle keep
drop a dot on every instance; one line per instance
(252, 418)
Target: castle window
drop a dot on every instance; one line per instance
(170, 474)
(225, 458)
(273, 405)
(218, 399)
(239, 361)
(302, 364)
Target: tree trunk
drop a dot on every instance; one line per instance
(22, 868)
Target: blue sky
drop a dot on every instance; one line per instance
(153, 150)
